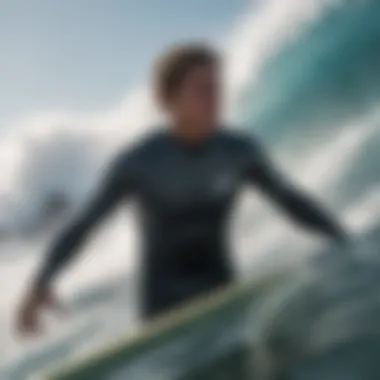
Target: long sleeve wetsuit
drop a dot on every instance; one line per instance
(185, 194)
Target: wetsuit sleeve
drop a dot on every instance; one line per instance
(300, 207)
(116, 183)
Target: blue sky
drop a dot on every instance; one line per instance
(85, 54)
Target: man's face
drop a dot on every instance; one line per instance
(196, 103)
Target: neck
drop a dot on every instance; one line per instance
(190, 135)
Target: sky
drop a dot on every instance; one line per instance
(83, 55)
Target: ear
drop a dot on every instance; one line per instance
(162, 101)
(166, 103)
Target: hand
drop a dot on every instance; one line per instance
(28, 319)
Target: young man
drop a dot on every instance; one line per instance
(185, 177)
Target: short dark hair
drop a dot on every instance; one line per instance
(174, 65)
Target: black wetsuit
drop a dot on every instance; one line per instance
(185, 193)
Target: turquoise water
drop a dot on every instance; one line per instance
(311, 92)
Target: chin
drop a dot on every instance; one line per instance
(208, 129)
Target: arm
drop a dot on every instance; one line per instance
(116, 183)
(300, 207)
(113, 187)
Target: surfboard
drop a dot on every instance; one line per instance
(207, 339)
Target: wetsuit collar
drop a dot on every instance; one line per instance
(191, 145)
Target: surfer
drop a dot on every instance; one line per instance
(185, 177)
